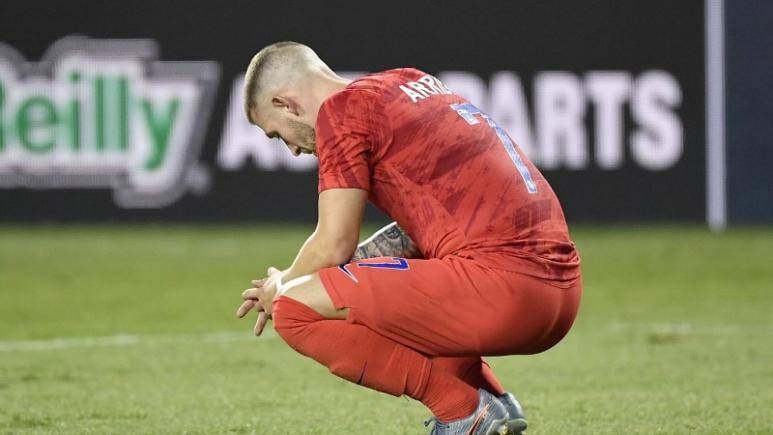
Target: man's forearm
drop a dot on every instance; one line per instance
(390, 241)
(315, 254)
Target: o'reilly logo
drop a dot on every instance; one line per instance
(104, 113)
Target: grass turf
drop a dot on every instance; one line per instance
(131, 330)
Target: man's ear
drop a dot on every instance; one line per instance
(287, 104)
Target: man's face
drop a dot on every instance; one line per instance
(278, 123)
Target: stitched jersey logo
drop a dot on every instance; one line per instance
(344, 268)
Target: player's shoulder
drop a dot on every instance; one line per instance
(391, 76)
(383, 82)
(369, 91)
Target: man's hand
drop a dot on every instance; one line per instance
(260, 297)
(332, 243)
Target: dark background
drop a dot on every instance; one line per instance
(749, 64)
(482, 37)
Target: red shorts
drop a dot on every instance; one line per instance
(454, 306)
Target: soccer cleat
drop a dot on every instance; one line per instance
(490, 418)
(515, 416)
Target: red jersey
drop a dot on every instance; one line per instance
(445, 172)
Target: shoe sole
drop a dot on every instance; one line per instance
(504, 426)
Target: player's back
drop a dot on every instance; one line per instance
(456, 182)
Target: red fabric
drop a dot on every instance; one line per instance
(451, 186)
(455, 307)
(360, 355)
(473, 370)
(501, 275)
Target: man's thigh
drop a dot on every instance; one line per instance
(446, 307)
(309, 291)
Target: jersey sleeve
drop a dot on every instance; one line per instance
(348, 130)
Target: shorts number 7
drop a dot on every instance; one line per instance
(397, 263)
(470, 113)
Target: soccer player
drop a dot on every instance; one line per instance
(478, 262)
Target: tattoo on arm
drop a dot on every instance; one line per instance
(390, 241)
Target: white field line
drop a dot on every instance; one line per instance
(121, 340)
(690, 329)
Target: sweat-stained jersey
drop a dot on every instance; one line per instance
(448, 174)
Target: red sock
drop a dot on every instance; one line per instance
(362, 356)
(473, 370)
(449, 397)
(487, 379)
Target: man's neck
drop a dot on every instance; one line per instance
(325, 87)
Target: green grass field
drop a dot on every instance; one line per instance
(131, 330)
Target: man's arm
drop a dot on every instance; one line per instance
(335, 238)
(332, 243)
(390, 241)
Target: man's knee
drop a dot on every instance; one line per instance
(291, 320)
(310, 291)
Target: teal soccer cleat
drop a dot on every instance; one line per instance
(491, 418)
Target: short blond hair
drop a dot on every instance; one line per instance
(271, 64)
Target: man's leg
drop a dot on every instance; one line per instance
(400, 312)
(453, 307)
(475, 371)
(307, 320)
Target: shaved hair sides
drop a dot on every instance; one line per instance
(275, 65)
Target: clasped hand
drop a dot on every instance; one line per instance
(260, 297)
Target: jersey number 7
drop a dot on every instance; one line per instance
(469, 112)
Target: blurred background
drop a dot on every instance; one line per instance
(115, 111)
(136, 203)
